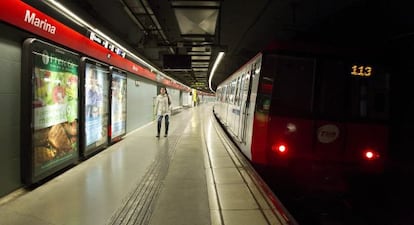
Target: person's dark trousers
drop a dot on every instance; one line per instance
(167, 123)
(159, 125)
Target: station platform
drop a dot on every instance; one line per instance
(192, 177)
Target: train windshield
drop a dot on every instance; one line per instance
(331, 89)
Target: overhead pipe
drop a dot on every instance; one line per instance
(155, 22)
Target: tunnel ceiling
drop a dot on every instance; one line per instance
(182, 38)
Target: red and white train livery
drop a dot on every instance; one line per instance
(308, 109)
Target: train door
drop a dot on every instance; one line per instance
(236, 110)
(244, 108)
(224, 105)
(230, 109)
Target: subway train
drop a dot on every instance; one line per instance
(312, 112)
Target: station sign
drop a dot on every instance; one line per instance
(28, 18)
(106, 44)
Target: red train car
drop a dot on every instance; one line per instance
(319, 113)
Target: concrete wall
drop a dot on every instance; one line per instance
(10, 64)
(140, 95)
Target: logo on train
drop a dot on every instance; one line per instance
(328, 133)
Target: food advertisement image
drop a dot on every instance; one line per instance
(55, 108)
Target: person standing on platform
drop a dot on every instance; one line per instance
(163, 109)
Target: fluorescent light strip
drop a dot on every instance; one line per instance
(199, 69)
(66, 12)
(63, 10)
(196, 57)
(200, 63)
(199, 53)
(216, 63)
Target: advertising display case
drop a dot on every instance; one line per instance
(118, 104)
(95, 106)
(49, 109)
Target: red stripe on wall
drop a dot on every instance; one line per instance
(24, 16)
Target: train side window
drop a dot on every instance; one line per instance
(228, 93)
(219, 94)
(232, 90)
(265, 88)
(236, 93)
(246, 82)
(225, 94)
(229, 99)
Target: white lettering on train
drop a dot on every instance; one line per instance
(37, 22)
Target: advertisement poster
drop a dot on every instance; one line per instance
(96, 105)
(55, 107)
(118, 104)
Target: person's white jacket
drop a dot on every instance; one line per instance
(161, 105)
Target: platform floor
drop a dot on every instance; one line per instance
(191, 177)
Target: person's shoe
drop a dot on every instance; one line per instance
(165, 135)
(157, 136)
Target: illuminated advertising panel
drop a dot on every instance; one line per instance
(50, 74)
(118, 104)
(95, 103)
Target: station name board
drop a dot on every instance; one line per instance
(106, 44)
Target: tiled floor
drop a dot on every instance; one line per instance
(187, 178)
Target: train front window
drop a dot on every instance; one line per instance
(368, 95)
(293, 85)
(330, 92)
(343, 92)
(324, 88)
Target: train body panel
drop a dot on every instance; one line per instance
(236, 101)
(308, 143)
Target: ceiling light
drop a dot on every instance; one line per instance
(216, 63)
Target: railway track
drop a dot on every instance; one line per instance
(365, 202)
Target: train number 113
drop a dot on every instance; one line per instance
(364, 71)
